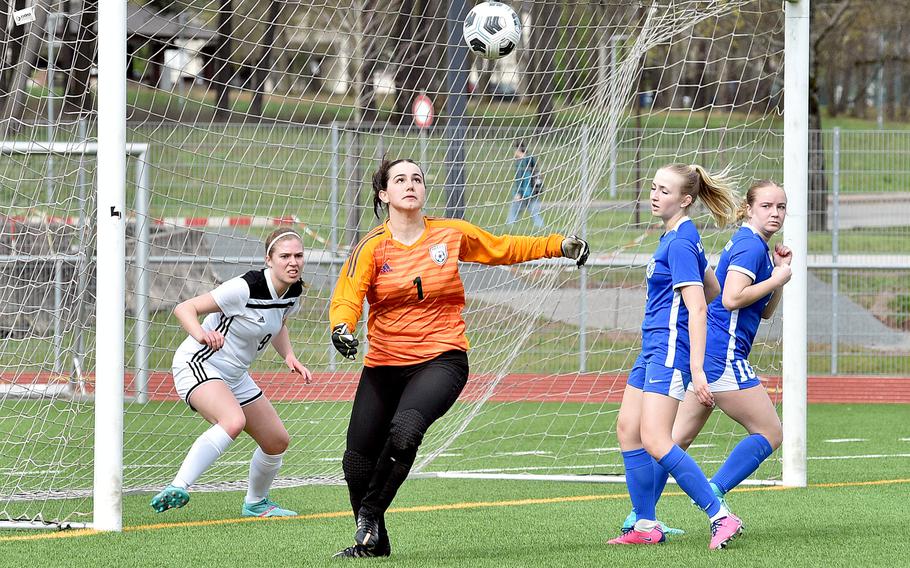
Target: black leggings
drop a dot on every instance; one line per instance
(393, 408)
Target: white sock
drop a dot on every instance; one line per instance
(263, 469)
(206, 449)
(721, 513)
(644, 525)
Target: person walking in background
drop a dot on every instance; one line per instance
(528, 185)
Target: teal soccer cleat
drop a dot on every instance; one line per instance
(170, 497)
(629, 523)
(717, 493)
(266, 508)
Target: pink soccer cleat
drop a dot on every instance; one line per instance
(725, 529)
(654, 536)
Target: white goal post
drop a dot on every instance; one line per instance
(796, 236)
(110, 268)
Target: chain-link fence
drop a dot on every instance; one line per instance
(859, 299)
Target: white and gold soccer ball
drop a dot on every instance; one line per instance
(492, 30)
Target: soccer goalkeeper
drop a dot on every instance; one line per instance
(417, 364)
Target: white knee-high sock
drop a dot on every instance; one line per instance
(263, 469)
(206, 449)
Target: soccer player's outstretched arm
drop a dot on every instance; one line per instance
(483, 247)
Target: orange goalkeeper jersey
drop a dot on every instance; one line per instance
(415, 292)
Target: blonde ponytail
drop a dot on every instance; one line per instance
(717, 191)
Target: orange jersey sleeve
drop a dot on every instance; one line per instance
(415, 292)
(482, 247)
(355, 279)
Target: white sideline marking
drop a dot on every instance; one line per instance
(329, 459)
(618, 466)
(526, 453)
(701, 446)
(845, 440)
(602, 450)
(903, 439)
(867, 456)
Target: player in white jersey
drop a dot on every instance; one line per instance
(211, 371)
(752, 278)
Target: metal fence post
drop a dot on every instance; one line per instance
(143, 237)
(58, 316)
(583, 280)
(835, 235)
(333, 231)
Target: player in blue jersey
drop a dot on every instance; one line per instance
(673, 344)
(751, 281)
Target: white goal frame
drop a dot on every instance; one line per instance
(112, 150)
(110, 270)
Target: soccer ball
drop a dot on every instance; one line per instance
(492, 30)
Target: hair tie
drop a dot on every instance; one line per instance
(268, 249)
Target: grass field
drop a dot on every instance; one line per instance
(854, 513)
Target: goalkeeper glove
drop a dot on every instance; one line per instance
(576, 249)
(344, 341)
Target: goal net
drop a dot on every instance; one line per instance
(243, 116)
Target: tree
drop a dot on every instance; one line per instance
(818, 178)
(416, 40)
(224, 71)
(23, 68)
(79, 53)
(264, 67)
(545, 36)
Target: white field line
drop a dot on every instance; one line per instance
(619, 465)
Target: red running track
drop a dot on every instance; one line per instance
(592, 388)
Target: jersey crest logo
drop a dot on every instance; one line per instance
(439, 253)
(649, 271)
(385, 268)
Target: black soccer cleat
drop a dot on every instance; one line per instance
(361, 551)
(367, 530)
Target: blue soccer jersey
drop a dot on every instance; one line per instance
(730, 334)
(679, 261)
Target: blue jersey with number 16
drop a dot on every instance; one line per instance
(679, 261)
(730, 334)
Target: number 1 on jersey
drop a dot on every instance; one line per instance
(419, 288)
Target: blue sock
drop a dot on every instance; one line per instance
(742, 462)
(690, 477)
(660, 480)
(640, 481)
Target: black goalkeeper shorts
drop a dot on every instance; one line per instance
(431, 388)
